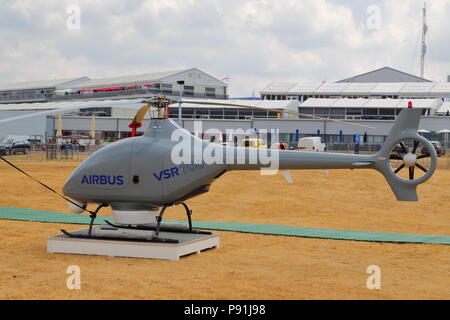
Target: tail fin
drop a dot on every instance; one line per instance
(405, 127)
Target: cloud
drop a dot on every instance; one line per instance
(253, 42)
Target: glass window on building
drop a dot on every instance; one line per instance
(337, 113)
(322, 112)
(387, 111)
(231, 113)
(354, 111)
(188, 91)
(216, 113)
(173, 112)
(201, 113)
(187, 112)
(304, 110)
(259, 114)
(210, 92)
(370, 111)
(166, 88)
(244, 113)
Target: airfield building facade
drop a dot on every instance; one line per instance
(356, 99)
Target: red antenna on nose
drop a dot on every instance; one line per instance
(410, 104)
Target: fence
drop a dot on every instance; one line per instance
(53, 152)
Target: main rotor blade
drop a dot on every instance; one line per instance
(140, 115)
(273, 110)
(131, 104)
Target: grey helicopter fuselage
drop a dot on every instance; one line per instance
(140, 173)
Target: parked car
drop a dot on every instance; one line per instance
(398, 149)
(253, 143)
(374, 117)
(12, 146)
(440, 150)
(311, 144)
(73, 147)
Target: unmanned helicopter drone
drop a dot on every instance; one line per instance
(139, 179)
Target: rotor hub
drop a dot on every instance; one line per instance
(409, 159)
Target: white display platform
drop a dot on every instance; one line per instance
(188, 243)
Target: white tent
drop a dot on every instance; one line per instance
(445, 132)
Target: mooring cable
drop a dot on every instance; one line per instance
(46, 186)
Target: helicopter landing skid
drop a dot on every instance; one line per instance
(162, 228)
(127, 238)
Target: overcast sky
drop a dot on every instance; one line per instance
(251, 42)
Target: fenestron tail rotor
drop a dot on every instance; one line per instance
(410, 159)
(406, 159)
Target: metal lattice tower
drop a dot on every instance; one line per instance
(424, 46)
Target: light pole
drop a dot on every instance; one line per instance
(180, 83)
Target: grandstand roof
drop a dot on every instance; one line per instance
(444, 108)
(129, 79)
(383, 88)
(371, 103)
(149, 78)
(385, 74)
(42, 84)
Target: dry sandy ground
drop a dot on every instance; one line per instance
(246, 266)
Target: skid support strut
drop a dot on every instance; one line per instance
(93, 216)
(158, 228)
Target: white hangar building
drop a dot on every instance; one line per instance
(360, 97)
(196, 83)
(96, 95)
(35, 91)
(382, 83)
